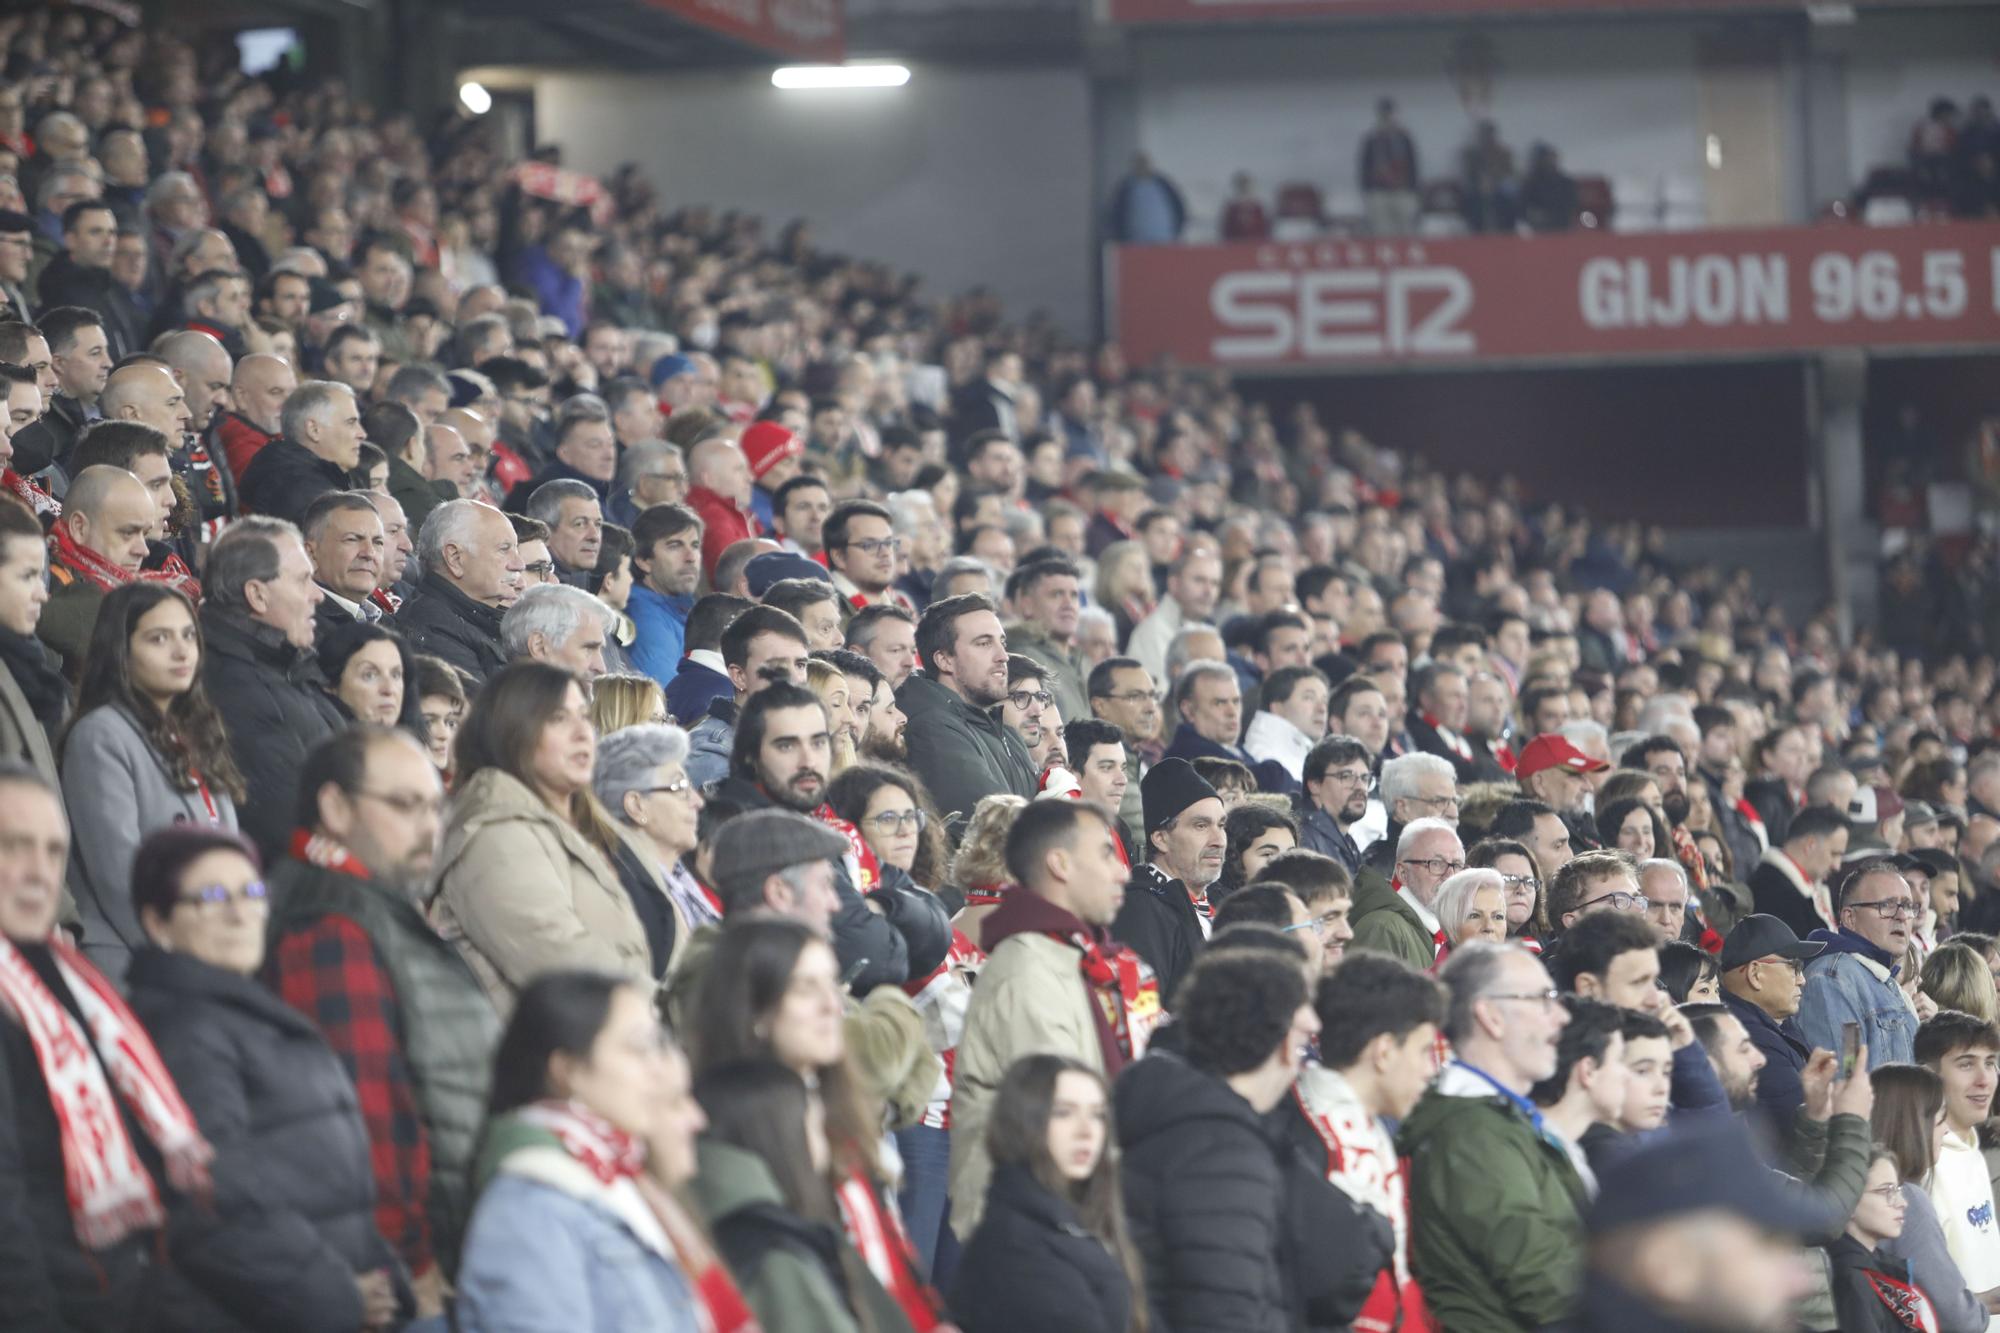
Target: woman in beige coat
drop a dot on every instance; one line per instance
(526, 878)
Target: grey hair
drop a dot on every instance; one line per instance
(51, 182)
(580, 407)
(1664, 863)
(409, 381)
(297, 260)
(1470, 975)
(545, 505)
(190, 240)
(627, 761)
(1416, 828)
(645, 459)
(552, 610)
(966, 564)
(1400, 776)
(163, 185)
(246, 552)
(1584, 730)
(1095, 615)
(479, 330)
(1178, 653)
(1454, 898)
(1622, 741)
(314, 400)
(208, 286)
(910, 510)
(450, 524)
(1201, 669)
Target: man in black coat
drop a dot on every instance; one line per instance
(1205, 1180)
(257, 616)
(81, 276)
(1793, 878)
(1166, 914)
(470, 564)
(1763, 978)
(318, 450)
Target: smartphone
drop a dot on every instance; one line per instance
(1850, 1048)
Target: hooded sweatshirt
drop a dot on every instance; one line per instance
(1963, 1193)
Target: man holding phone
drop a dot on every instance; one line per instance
(1854, 979)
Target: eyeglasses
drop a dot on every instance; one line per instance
(1887, 1193)
(1521, 882)
(406, 803)
(899, 821)
(210, 899)
(1022, 698)
(1892, 909)
(1318, 926)
(1350, 776)
(1543, 997)
(1436, 802)
(540, 569)
(1618, 900)
(1797, 965)
(1437, 865)
(681, 788)
(876, 545)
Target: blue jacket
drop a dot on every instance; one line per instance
(1780, 1091)
(1319, 833)
(1191, 745)
(544, 1255)
(693, 688)
(661, 638)
(1855, 982)
(710, 742)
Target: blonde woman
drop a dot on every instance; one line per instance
(978, 875)
(1472, 905)
(831, 684)
(1956, 977)
(624, 700)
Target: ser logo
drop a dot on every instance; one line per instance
(1981, 1217)
(1356, 313)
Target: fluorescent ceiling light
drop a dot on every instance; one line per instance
(475, 97)
(840, 76)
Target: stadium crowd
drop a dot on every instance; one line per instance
(571, 766)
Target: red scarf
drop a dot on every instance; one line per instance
(866, 870)
(317, 850)
(879, 1238)
(607, 1151)
(1452, 739)
(1127, 995)
(104, 575)
(45, 505)
(986, 895)
(111, 1195)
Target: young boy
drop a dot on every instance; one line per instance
(1649, 1074)
(1379, 1021)
(1588, 1087)
(1326, 891)
(1965, 1053)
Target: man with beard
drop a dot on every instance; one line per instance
(878, 723)
(1489, 726)
(1166, 917)
(1029, 711)
(1737, 1061)
(762, 646)
(956, 746)
(351, 950)
(666, 560)
(1555, 772)
(1044, 594)
(784, 751)
(1335, 800)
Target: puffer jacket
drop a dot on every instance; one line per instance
(275, 708)
(1204, 1186)
(444, 622)
(292, 1221)
(961, 752)
(1031, 1265)
(519, 891)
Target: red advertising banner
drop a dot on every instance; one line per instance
(1334, 303)
(813, 30)
(1231, 11)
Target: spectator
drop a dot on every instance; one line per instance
(591, 1127)
(34, 700)
(1487, 181)
(80, 357)
(1254, 836)
(1763, 978)
(1908, 1120)
(762, 645)
(1586, 1093)
(1046, 595)
(83, 1210)
(347, 546)
(1611, 956)
(1243, 216)
(470, 567)
(1399, 917)
(1791, 882)
(257, 393)
(719, 493)
(98, 544)
(1548, 193)
(1854, 979)
(703, 676)
(372, 675)
(1390, 181)
(1146, 207)
(147, 751)
(291, 1235)
(563, 626)
(1167, 917)
(1204, 1184)
(1336, 776)
(959, 750)
(1052, 1249)
(666, 557)
(1476, 1151)
(575, 520)
(1472, 905)
(1964, 1053)
(80, 277)
(316, 453)
(1871, 1288)
(1291, 720)
(640, 778)
(1121, 693)
(1413, 786)
(258, 668)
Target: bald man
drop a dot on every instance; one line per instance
(719, 491)
(99, 543)
(257, 393)
(148, 393)
(204, 371)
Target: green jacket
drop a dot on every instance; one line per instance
(1385, 923)
(1496, 1233)
(790, 1269)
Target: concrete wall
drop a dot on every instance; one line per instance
(967, 176)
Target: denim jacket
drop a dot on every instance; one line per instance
(1850, 983)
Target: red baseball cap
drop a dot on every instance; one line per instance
(1552, 751)
(767, 444)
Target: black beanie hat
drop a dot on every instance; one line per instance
(1168, 788)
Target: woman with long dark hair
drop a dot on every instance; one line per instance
(1051, 1251)
(147, 750)
(771, 990)
(372, 675)
(289, 1238)
(763, 1185)
(590, 1130)
(527, 878)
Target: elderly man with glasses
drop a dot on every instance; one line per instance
(1854, 979)
(1413, 786)
(1398, 916)
(1763, 977)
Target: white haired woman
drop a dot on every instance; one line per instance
(640, 777)
(1472, 905)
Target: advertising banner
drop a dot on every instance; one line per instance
(1577, 295)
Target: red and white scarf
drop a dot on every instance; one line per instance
(1126, 993)
(878, 1236)
(608, 1152)
(863, 868)
(110, 1193)
(102, 574)
(46, 506)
